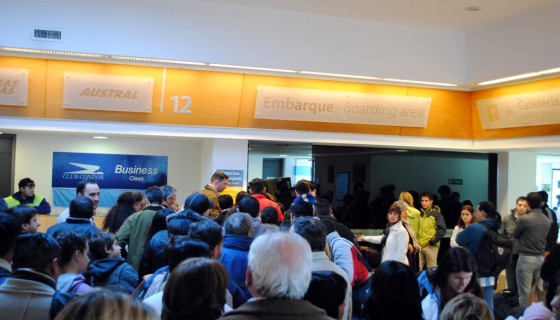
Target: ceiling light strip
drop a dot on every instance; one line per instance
(339, 75)
(216, 65)
(421, 82)
(520, 76)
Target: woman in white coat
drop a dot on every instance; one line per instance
(394, 239)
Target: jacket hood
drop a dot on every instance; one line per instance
(491, 224)
(103, 268)
(241, 243)
(178, 223)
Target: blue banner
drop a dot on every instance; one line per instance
(112, 171)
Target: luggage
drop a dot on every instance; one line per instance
(504, 302)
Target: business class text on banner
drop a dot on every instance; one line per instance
(342, 107)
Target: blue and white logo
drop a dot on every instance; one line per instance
(87, 168)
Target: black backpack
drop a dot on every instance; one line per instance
(494, 254)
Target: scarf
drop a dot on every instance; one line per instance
(408, 228)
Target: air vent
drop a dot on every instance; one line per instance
(47, 35)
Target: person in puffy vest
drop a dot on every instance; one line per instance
(26, 196)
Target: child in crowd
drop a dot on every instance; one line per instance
(73, 262)
(303, 192)
(109, 269)
(27, 216)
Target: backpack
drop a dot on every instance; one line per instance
(493, 256)
(361, 267)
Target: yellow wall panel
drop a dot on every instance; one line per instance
(518, 132)
(215, 97)
(36, 87)
(450, 114)
(228, 100)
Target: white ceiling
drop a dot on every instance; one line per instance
(439, 14)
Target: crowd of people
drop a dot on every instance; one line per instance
(270, 255)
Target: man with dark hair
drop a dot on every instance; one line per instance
(27, 217)
(10, 228)
(258, 190)
(218, 183)
(531, 231)
(303, 192)
(26, 196)
(135, 228)
(506, 229)
(322, 209)
(81, 211)
(88, 188)
(315, 233)
(211, 233)
(251, 206)
(301, 209)
(552, 235)
(28, 294)
(451, 210)
(431, 230)
(238, 238)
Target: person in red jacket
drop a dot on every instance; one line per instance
(257, 189)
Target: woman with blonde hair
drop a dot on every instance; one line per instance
(413, 244)
(413, 214)
(107, 305)
(466, 306)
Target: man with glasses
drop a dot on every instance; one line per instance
(26, 196)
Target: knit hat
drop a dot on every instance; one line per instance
(197, 202)
(537, 311)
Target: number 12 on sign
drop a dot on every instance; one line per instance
(182, 104)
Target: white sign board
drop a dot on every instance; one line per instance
(14, 86)
(342, 107)
(108, 93)
(520, 110)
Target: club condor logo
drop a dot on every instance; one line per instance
(89, 171)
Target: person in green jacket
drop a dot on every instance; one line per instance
(135, 228)
(431, 229)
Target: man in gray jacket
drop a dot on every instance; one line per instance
(508, 225)
(530, 232)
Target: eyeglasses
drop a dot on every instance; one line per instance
(30, 185)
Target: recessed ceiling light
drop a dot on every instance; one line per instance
(283, 155)
(100, 137)
(473, 8)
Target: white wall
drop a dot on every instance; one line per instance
(210, 32)
(225, 154)
(517, 175)
(34, 152)
(519, 45)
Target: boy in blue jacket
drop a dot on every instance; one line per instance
(109, 269)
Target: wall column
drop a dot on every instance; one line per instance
(230, 154)
(517, 176)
